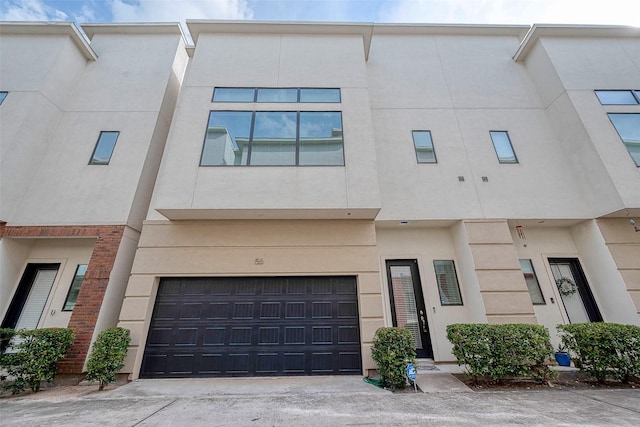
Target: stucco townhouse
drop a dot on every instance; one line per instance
(259, 202)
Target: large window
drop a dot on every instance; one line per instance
(532, 281)
(70, 302)
(628, 127)
(503, 147)
(423, 144)
(104, 148)
(274, 138)
(447, 282)
(237, 94)
(618, 97)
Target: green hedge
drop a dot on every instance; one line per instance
(35, 359)
(502, 351)
(107, 355)
(393, 349)
(603, 350)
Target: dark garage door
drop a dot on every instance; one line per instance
(212, 327)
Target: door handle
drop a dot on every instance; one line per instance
(423, 321)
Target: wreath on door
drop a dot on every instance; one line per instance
(566, 286)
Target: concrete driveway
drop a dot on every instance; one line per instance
(312, 401)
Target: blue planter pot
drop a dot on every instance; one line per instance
(563, 359)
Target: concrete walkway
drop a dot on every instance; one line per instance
(313, 401)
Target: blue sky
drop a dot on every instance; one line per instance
(622, 12)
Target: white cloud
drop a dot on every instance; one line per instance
(622, 12)
(178, 10)
(29, 10)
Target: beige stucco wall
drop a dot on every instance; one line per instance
(231, 248)
(623, 244)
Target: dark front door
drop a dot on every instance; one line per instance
(407, 303)
(254, 326)
(580, 305)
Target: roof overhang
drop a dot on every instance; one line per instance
(518, 31)
(364, 30)
(576, 31)
(133, 28)
(51, 29)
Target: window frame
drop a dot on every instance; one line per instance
(493, 142)
(635, 95)
(457, 282)
(251, 137)
(75, 276)
(92, 160)
(535, 278)
(433, 148)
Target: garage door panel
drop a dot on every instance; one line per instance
(254, 326)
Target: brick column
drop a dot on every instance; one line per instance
(87, 307)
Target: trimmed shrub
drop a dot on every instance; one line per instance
(37, 353)
(393, 349)
(502, 351)
(107, 355)
(603, 350)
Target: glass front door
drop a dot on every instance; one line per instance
(407, 303)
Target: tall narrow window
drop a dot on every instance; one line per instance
(70, 302)
(104, 148)
(503, 147)
(532, 281)
(447, 282)
(3, 95)
(628, 127)
(424, 146)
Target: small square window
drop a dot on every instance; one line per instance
(3, 95)
(448, 286)
(532, 281)
(70, 302)
(503, 147)
(104, 148)
(616, 97)
(423, 144)
(231, 94)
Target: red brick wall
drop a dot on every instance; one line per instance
(85, 313)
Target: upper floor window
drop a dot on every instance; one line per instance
(447, 282)
(423, 144)
(3, 95)
(74, 290)
(628, 127)
(275, 138)
(294, 95)
(532, 281)
(503, 147)
(104, 148)
(618, 97)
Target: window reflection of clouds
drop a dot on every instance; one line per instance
(275, 125)
(319, 124)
